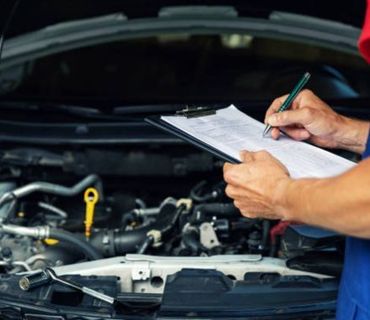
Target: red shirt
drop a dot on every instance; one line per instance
(364, 41)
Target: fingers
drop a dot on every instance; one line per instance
(275, 133)
(296, 104)
(227, 166)
(261, 155)
(302, 116)
(275, 105)
(234, 174)
(246, 156)
(297, 133)
(233, 192)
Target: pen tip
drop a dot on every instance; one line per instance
(266, 131)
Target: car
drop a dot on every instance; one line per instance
(103, 216)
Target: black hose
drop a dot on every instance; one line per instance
(129, 241)
(195, 193)
(122, 242)
(265, 233)
(190, 239)
(80, 244)
(171, 224)
(202, 211)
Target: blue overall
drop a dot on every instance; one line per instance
(354, 293)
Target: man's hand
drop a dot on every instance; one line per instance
(257, 184)
(312, 119)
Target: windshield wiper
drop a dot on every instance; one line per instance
(85, 112)
(162, 108)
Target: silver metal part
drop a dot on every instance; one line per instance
(91, 292)
(208, 236)
(140, 273)
(15, 265)
(40, 232)
(53, 209)
(48, 275)
(24, 283)
(6, 187)
(97, 295)
(49, 188)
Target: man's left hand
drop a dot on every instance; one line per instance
(257, 184)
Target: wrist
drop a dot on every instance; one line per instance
(302, 201)
(352, 134)
(280, 198)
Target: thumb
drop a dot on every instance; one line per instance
(286, 118)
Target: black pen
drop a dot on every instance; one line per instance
(298, 87)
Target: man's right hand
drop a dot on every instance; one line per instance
(310, 118)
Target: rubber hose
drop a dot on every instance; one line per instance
(265, 232)
(219, 209)
(190, 239)
(86, 248)
(122, 242)
(130, 241)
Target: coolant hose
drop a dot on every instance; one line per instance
(50, 188)
(80, 244)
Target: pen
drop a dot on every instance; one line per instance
(298, 87)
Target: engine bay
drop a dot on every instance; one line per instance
(61, 208)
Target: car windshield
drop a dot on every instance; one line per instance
(184, 67)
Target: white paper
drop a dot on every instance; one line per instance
(231, 131)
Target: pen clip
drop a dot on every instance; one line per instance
(195, 112)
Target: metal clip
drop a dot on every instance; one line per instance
(195, 112)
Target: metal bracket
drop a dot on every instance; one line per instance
(141, 271)
(208, 236)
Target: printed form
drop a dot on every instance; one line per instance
(230, 131)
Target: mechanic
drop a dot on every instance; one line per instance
(261, 186)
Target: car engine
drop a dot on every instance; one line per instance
(181, 211)
(38, 231)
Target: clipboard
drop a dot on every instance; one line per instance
(156, 121)
(230, 130)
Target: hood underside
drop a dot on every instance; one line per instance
(33, 15)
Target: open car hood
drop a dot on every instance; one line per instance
(42, 13)
(166, 241)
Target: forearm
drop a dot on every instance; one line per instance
(341, 203)
(352, 134)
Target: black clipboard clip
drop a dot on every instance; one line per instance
(195, 112)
